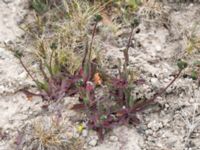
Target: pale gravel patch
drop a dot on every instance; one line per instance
(14, 108)
(12, 75)
(125, 139)
(12, 12)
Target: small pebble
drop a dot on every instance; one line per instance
(191, 100)
(149, 132)
(23, 75)
(166, 105)
(158, 47)
(166, 80)
(85, 133)
(155, 82)
(93, 142)
(150, 138)
(113, 138)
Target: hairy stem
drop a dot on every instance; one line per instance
(85, 55)
(21, 62)
(50, 63)
(43, 72)
(163, 90)
(141, 106)
(126, 56)
(91, 43)
(90, 51)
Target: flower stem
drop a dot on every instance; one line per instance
(21, 62)
(142, 105)
(91, 43)
(127, 48)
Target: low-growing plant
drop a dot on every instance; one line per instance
(127, 9)
(58, 62)
(68, 32)
(56, 80)
(116, 105)
(106, 100)
(39, 5)
(42, 6)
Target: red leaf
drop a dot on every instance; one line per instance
(134, 120)
(100, 133)
(78, 107)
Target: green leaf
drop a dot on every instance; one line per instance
(182, 64)
(39, 6)
(79, 83)
(134, 3)
(103, 117)
(86, 69)
(55, 69)
(194, 75)
(54, 46)
(131, 101)
(18, 54)
(98, 18)
(42, 86)
(48, 68)
(135, 22)
(85, 100)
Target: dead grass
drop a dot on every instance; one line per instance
(62, 33)
(192, 40)
(47, 133)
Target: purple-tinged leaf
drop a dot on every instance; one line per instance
(78, 107)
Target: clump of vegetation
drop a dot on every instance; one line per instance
(193, 42)
(107, 100)
(57, 52)
(47, 133)
(39, 5)
(56, 80)
(42, 6)
(116, 105)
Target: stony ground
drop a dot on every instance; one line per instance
(173, 127)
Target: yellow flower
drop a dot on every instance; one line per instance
(80, 128)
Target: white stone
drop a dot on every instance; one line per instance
(113, 138)
(23, 75)
(85, 133)
(158, 47)
(149, 132)
(93, 142)
(155, 82)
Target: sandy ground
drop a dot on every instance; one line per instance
(175, 127)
